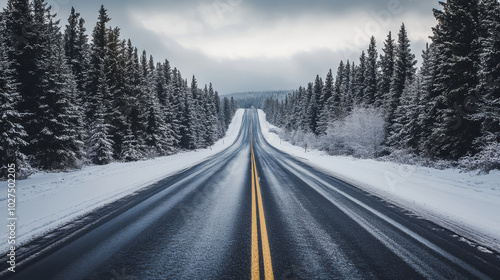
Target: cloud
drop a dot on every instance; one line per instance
(243, 45)
(236, 31)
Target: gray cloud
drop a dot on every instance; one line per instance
(212, 29)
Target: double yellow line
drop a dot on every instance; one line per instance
(257, 201)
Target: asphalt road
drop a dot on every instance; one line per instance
(253, 212)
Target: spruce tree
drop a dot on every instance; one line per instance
(345, 90)
(131, 150)
(177, 105)
(198, 114)
(115, 64)
(359, 82)
(405, 129)
(349, 99)
(56, 139)
(76, 49)
(326, 114)
(188, 119)
(371, 74)
(456, 38)
(315, 104)
(303, 105)
(135, 113)
(100, 144)
(12, 135)
(488, 94)
(404, 73)
(226, 108)
(308, 109)
(429, 101)
(97, 59)
(156, 133)
(387, 71)
(23, 47)
(168, 108)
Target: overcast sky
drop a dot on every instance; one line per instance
(254, 45)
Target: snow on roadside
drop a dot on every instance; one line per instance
(46, 201)
(464, 202)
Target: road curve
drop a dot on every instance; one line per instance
(253, 212)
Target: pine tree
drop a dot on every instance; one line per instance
(226, 108)
(177, 104)
(302, 106)
(234, 106)
(131, 150)
(12, 135)
(76, 50)
(168, 108)
(326, 114)
(488, 93)
(97, 59)
(387, 71)
(314, 109)
(100, 146)
(404, 73)
(156, 133)
(56, 128)
(345, 90)
(188, 119)
(23, 47)
(371, 76)
(456, 39)
(198, 115)
(210, 120)
(405, 129)
(429, 99)
(136, 118)
(115, 64)
(359, 82)
(349, 99)
(162, 109)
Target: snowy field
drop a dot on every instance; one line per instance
(466, 203)
(46, 201)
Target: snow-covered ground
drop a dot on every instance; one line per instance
(466, 203)
(46, 201)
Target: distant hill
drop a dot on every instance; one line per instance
(256, 99)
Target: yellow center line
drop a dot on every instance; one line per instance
(266, 251)
(255, 240)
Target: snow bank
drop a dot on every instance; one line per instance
(46, 201)
(466, 203)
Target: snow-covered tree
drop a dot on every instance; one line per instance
(327, 112)
(100, 144)
(387, 70)
(405, 129)
(56, 127)
(362, 131)
(131, 150)
(359, 81)
(314, 105)
(97, 59)
(456, 80)
(371, 75)
(404, 73)
(345, 90)
(77, 50)
(12, 135)
(488, 93)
